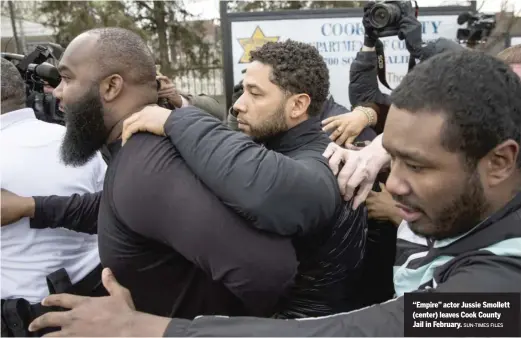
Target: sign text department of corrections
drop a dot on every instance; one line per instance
(338, 40)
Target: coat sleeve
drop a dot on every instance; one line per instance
(208, 104)
(485, 273)
(255, 266)
(77, 212)
(276, 193)
(363, 81)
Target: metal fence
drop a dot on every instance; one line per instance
(202, 80)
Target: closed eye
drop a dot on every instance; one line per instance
(415, 168)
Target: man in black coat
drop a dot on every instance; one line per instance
(274, 174)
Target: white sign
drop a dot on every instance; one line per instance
(515, 41)
(338, 40)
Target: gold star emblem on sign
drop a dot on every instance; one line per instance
(255, 41)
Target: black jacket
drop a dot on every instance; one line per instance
(363, 86)
(283, 186)
(176, 247)
(363, 81)
(289, 193)
(486, 259)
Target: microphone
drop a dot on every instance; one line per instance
(47, 72)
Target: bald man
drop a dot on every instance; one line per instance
(165, 236)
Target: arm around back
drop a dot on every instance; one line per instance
(484, 273)
(164, 201)
(279, 194)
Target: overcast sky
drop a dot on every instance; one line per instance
(209, 9)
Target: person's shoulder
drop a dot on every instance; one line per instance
(147, 152)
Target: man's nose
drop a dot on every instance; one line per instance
(239, 106)
(395, 184)
(57, 92)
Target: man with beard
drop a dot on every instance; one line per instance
(259, 173)
(279, 177)
(34, 262)
(454, 140)
(162, 232)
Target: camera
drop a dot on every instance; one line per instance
(479, 27)
(385, 16)
(37, 72)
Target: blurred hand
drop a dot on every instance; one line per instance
(15, 207)
(168, 91)
(381, 206)
(90, 316)
(346, 127)
(359, 169)
(150, 119)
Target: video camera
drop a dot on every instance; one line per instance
(479, 27)
(37, 72)
(385, 16)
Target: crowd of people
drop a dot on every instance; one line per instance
(155, 213)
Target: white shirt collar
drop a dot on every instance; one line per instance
(16, 116)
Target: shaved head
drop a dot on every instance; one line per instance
(123, 52)
(107, 74)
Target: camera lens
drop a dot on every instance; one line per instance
(384, 15)
(380, 17)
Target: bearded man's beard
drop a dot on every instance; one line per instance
(85, 129)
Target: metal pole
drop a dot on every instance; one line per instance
(13, 24)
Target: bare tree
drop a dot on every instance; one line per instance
(506, 21)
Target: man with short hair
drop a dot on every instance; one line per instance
(287, 150)
(34, 262)
(261, 174)
(167, 238)
(274, 174)
(456, 173)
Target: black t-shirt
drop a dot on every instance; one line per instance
(178, 249)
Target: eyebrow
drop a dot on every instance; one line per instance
(63, 68)
(253, 86)
(412, 156)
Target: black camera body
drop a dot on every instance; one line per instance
(36, 72)
(479, 27)
(385, 16)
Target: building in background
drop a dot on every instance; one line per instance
(30, 34)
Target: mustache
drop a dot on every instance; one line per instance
(402, 200)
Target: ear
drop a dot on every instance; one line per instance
(300, 105)
(111, 87)
(501, 162)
